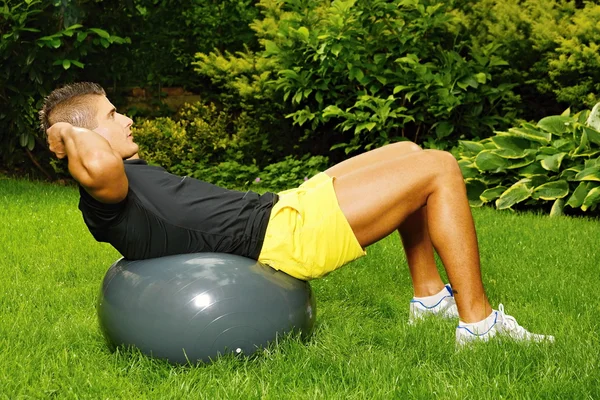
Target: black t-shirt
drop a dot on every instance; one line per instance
(165, 214)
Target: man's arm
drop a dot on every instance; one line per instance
(92, 162)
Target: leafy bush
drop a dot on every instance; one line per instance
(291, 171)
(198, 136)
(243, 86)
(550, 45)
(165, 35)
(376, 70)
(555, 161)
(282, 175)
(574, 66)
(42, 44)
(209, 144)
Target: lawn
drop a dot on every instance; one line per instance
(545, 271)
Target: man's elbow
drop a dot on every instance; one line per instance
(103, 177)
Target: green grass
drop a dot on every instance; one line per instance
(545, 271)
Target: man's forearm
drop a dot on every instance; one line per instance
(90, 157)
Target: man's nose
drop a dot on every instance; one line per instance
(126, 120)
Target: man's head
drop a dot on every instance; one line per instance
(85, 105)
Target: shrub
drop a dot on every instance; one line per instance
(367, 73)
(206, 143)
(550, 45)
(42, 43)
(166, 35)
(556, 161)
(282, 175)
(574, 66)
(291, 171)
(197, 136)
(243, 86)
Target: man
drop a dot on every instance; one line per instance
(307, 232)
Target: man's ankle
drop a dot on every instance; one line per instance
(474, 314)
(428, 289)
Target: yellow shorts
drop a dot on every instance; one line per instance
(308, 236)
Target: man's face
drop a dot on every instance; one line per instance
(115, 128)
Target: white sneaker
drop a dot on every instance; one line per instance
(445, 308)
(498, 323)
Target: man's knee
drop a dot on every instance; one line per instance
(444, 162)
(405, 147)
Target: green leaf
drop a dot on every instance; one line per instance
(492, 194)
(592, 135)
(548, 150)
(365, 125)
(100, 32)
(332, 111)
(569, 174)
(488, 161)
(81, 36)
(480, 77)
(593, 120)
(576, 199)
(555, 124)
(520, 163)
(471, 148)
(564, 145)
(551, 190)
(23, 139)
(474, 189)
(303, 32)
(512, 154)
(517, 193)
(589, 174)
(592, 198)
(289, 74)
(319, 97)
(532, 169)
(271, 49)
(527, 132)
(336, 49)
(557, 208)
(552, 163)
(467, 169)
(512, 143)
(444, 129)
(77, 63)
(399, 88)
(66, 64)
(357, 73)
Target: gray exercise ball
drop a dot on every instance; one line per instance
(195, 307)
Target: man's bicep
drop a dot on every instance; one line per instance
(105, 182)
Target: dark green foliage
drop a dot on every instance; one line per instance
(556, 161)
(282, 175)
(550, 45)
(243, 85)
(206, 143)
(165, 35)
(42, 44)
(47, 43)
(368, 73)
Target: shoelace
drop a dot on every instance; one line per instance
(510, 323)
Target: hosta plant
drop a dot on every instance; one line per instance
(554, 162)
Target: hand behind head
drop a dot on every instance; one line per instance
(55, 138)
